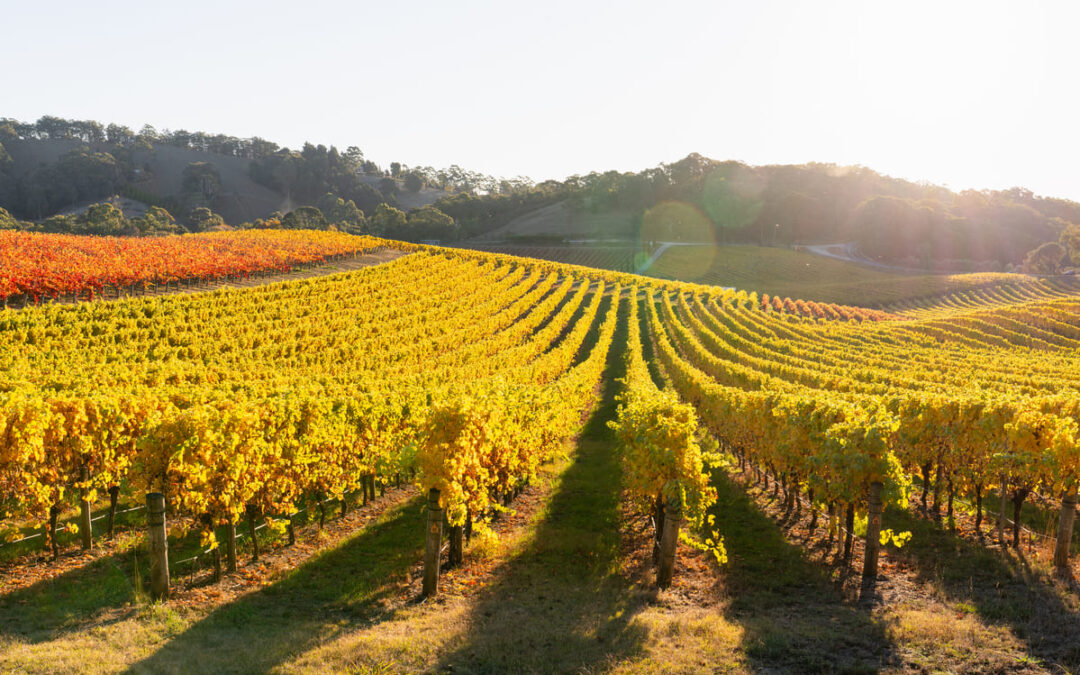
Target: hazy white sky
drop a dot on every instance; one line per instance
(971, 94)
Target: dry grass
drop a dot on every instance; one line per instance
(568, 589)
(947, 601)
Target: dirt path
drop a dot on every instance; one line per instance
(848, 253)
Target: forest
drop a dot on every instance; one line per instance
(891, 220)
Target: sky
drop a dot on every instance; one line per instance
(966, 94)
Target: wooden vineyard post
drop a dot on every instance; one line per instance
(114, 495)
(54, 513)
(873, 541)
(85, 523)
(252, 513)
(1064, 534)
(1001, 513)
(217, 564)
(669, 540)
(230, 545)
(849, 532)
(433, 546)
(159, 546)
(457, 544)
(658, 526)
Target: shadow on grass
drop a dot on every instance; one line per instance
(340, 587)
(340, 590)
(561, 605)
(90, 588)
(67, 602)
(999, 589)
(795, 619)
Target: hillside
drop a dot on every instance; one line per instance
(784, 273)
(528, 357)
(160, 173)
(890, 221)
(406, 200)
(62, 166)
(559, 221)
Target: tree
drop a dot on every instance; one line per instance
(157, 220)
(387, 186)
(306, 176)
(429, 222)
(304, 218)
(7, 221)
(1046, 259)
(102, 219)
(201, 219)
(201, 182)
(731, 194)
(342, 213)
(89, 131)
(58, 224)
(257, 148)
(902, 230)
(354, 156)
(53, 127)
(117, 134)
(413, 182)
(149, 134)
(1070, 241)
(387, 221)
(80, 175)
(395, 169)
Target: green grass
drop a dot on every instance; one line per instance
(807, 276)
(560, 605)
(795, 617)
(562, 221)
(339, 588)
(777, 271)
(1009, 591)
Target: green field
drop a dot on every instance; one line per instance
(803, 275)
(777, 271)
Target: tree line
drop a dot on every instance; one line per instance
(113, 158)
(273, 165)
(891, 220)
(330, 213)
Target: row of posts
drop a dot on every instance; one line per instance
(159, 545)
(667, 542)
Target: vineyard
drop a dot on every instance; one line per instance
(50, 266)
(800, 275)
(466, 375)
(615, 258)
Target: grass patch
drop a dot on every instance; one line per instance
(794, 617)
(802, 275)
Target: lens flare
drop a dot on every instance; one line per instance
(681, 225)
(732, 197)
